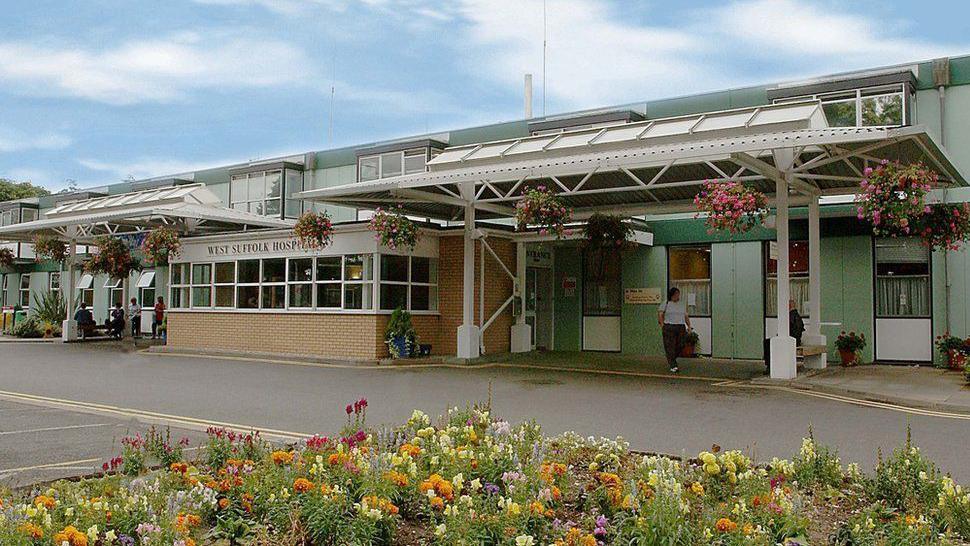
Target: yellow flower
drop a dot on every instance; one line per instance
(697, 488)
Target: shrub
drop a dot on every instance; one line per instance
(400, 326)
(50, 307)
(7, 257)
(907, 480)
(816, 465)
(607, 230)
(113, 258)
(850, 342)
(29, 327)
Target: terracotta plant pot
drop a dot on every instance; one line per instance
(848, 357)
(956, 360)
(689, 351)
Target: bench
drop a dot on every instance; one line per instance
(811, 350)
(86, 331)
(814, 356)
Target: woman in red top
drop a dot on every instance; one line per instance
(158, 316)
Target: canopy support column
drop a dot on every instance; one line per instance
(521, 331)
(69, 326)
(783, 364)
(468, 333)
(813, 334)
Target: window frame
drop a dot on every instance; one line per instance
(50, 281)
(142, 290)
(24, 291)
(859, 95)
(771, 311)
(264, 197)
(710, 279)
(876, 276)
(403, 155)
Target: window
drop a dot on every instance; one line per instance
(875, 106)
(116, 292)
(25, 291)
(390, 164)
(329, 286)
(247, 292)
(273, 288)
(201, 285)
(54, 281)
(224, 281)
(902, 278)
(797, 274)
(300, 283)
(690, 271)
(602, 288)
(85, 288)
(358, 281)
(179, 283)
(28, 215)
(257, 193)
(424, 284)
(146, 288)
(3, 289)
(6, 218)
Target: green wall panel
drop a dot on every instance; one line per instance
(568, 309)
(645, 267)
(847, 290)
(737, 292)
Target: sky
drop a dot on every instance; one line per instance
(97, 91)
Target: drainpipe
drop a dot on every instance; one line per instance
(941, 79)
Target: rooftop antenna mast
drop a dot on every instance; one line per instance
(543, 57)
(333, 89)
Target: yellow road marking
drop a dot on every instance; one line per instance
(187, 422)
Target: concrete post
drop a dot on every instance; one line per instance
(69, 326)
(783, 363)
(813, 332)
(521, 331)
(468, 333)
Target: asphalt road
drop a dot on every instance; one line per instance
(674, 416)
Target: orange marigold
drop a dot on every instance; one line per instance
(71, 536)
(223, 503)
(302, 485)
(31, 530)
(179, 467)
(410, 449)
(437, 503)
(281, 457)
(396, 478)
(725, 525)
(45, 501)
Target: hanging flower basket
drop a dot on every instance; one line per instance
(542, 208)
(113, 258)
(7, 257)
(161, 245)
(393, 229)
(731, 207)
(607, 231)
(50, 248)
(892, 197)
(945, 226)
(314, 230)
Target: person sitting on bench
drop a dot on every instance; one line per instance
(84, 319)
(117, 324)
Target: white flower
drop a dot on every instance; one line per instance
(524, 540)
(439, 531)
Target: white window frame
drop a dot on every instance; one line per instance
(671, 282)
(24, 291)
(373, 281)
(4, 277)
(310, 283)
(114, 285)
(860, 94)
(50, 281)
(85, 287)
(199, 284)
(264, 199)
(317, 282)
(410, 283)
(403, 155)
(142, 286)
(183, 287)
(231, 285)
(257, 284)
(269, 284)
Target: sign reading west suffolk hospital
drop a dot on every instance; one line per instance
(265, 247)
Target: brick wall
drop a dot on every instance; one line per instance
(498, 287)
(320, 334)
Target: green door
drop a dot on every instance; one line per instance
(737, 293)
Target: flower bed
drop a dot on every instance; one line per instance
(469, 478)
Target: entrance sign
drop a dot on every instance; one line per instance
(642, 296)
(539, 256)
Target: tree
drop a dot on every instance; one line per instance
(10, 189)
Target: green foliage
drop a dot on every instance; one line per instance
(29, 327)
(400, 325)
(607, 230)
(817, 465)
(49, 307)
(10, 190)
(907, 480)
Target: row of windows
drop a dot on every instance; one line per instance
(328, 283)
(863, 107)
(902, 278)
(390, 164)
(17, 215)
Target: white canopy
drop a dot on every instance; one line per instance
(189, 209)
(651, 166)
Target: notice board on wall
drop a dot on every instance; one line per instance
(642, 296)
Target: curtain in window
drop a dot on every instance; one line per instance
(701, 292)
(903, 296)
(799, 293)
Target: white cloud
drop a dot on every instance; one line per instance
(18, 141)
(147, 167)
(599, 53)
(593, 55)
(151, 70)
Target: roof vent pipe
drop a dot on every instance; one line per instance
(528, 96)
(941, 79)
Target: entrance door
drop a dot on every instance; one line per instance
(538, 306)
(602, 300)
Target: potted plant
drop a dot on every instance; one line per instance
(399, 334)
(731, 207)
(50, 248)
(691, 340)
(113, 258)
(314, 230)
(542, 208)
(393, 229)
(7, 257)
(161, 245)
(945, 226)
(849, 346)
(607, 231)
(954, 349)
(892, 197)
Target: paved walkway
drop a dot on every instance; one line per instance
(917, 386)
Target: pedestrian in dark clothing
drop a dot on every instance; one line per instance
(674, 323)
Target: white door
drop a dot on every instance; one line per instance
(538, 306)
